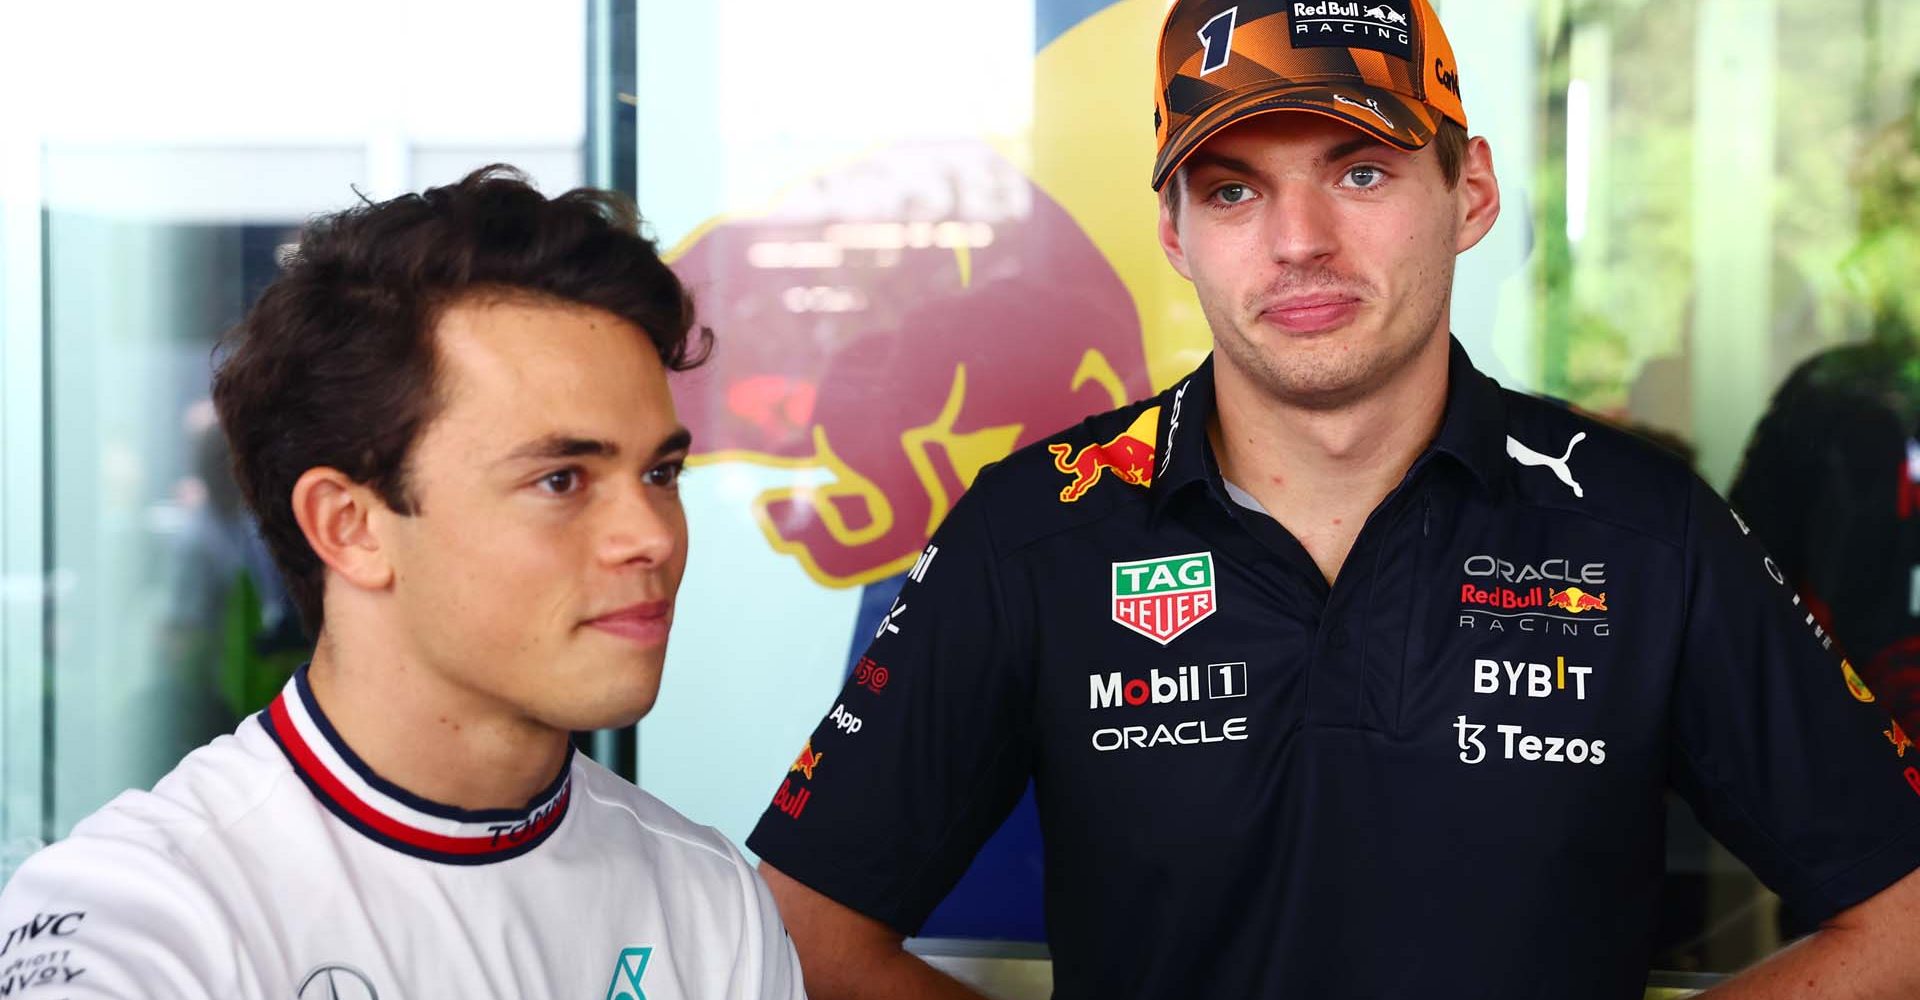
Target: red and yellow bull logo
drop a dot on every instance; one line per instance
(1576, 601)
(1899, 738)
(880, 346)
(1129, 456)
(806, 762)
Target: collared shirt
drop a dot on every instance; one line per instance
(1443, 774)
(273, 864)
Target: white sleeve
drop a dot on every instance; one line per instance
(767, 955)
(101, 919)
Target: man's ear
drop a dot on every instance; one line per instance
(336, 515)
(1478, 195)
(1170, 227)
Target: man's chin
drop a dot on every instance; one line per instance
(612, 703)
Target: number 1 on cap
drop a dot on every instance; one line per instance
(1217, 36)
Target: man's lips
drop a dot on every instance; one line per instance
(643, 623)
(1311, 313)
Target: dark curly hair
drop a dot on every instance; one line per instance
(335, 364)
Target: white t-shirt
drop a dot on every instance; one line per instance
(273, 865)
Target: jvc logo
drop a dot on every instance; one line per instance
(1219, 680)
(51, 924)
(845, 721)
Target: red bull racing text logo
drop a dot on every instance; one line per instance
(1505, 598)
(1533, 610)
(1129, 456)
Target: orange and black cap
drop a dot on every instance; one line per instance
(1382, 66)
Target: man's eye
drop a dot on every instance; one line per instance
(1233, 194)
(667, 475)
(561, 483)
(1365, 177)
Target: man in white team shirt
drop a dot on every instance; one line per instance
(450, 414)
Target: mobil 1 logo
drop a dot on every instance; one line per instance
(1384, 26)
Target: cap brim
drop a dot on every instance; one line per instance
(1392, 118)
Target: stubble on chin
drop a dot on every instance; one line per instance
(1323, 372)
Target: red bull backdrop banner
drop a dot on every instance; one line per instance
(924, 236)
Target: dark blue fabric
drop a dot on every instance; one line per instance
(1444, 774)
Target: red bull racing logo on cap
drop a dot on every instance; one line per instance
(1162, 598)
(1129, 456)
(1576, 601)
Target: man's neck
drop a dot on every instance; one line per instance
(417, 729)
(1320, 472)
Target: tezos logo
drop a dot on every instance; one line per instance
(1518, 745)
(1162, 598)
(845, 721)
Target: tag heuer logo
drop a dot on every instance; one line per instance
(1161, 598)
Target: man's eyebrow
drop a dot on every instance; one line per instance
(680, 440)
(563, 446)
(1203, 159)
(1352, 146)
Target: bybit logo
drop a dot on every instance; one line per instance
(1535, 680)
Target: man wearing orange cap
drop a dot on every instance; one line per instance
(1359, 676)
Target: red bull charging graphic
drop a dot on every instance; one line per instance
(900, 357)
(1575, 600)
(1129, 457)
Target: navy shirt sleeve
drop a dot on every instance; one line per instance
(1776, 480)
(926, 748)
(1780, 749)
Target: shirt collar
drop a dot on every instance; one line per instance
(1472, 431)
(1185, 456)
(389, 814)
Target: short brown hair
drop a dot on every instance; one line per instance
(335, 364)
(1449, 144)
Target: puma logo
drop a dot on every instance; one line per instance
(1527, 456)
(1372, 107)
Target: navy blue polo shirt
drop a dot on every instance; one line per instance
(1442, 774)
